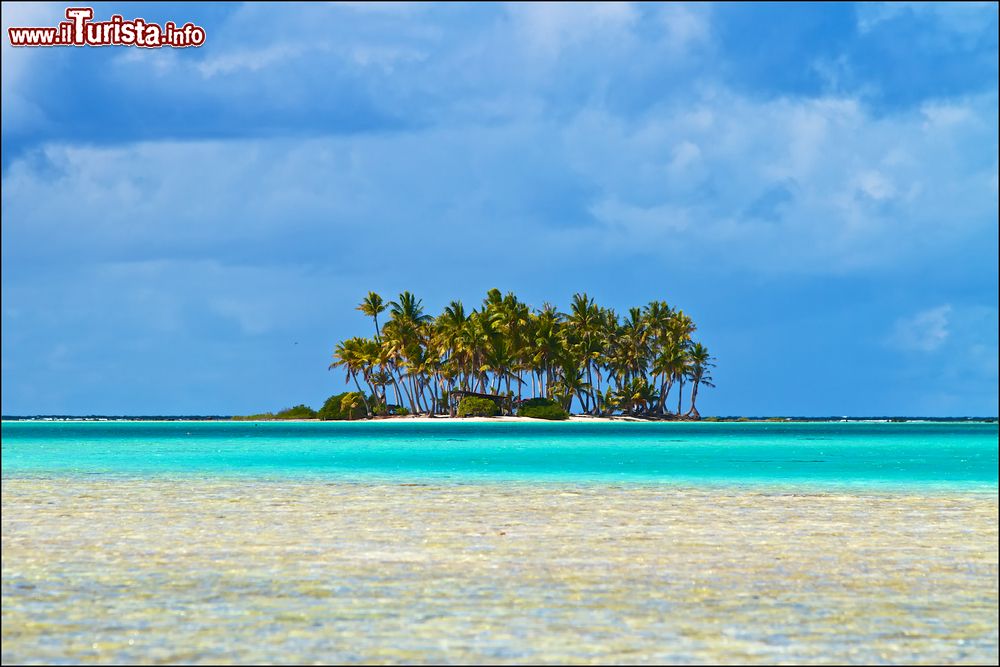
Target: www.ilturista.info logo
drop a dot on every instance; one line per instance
(80, 30)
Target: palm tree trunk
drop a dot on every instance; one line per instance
(374, 396)
(395, 389)
(406, 390)
(680, 393)
(441, 384)
(364, 399)
(597, 396)
(693, 412)
(419, 407)
(668, 385)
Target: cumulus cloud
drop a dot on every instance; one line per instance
(20, 112)
(830, 187)
(875, 185)
(965, 19)
(686, 25)
(849, 188)
(250, 59)
(925, 331)
(948, 356)
(551, 27)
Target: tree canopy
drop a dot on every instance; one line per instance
(603, 362)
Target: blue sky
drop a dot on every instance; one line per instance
(188, 231)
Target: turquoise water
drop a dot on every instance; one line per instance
(744, 453)
(492, 543)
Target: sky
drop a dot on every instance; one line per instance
(188, 231)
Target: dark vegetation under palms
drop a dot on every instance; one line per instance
(608, 364)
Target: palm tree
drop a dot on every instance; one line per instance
(589, 354)
(584, 318)
(571, 384)
(668, 365)
(406, 318)
(680, 372)
(448, 329)
(547, 347)
(349, 354)
(634, 336)
(393, 345)
(348, 404)
(700, 363)
(498, 359)
(635, 395)
(371, 306)
(408, 309)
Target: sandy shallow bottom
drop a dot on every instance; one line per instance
(217, 571)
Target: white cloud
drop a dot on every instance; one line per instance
(386, 58)
(964, 19)
(875, 185)
(845, 189)
(943, 114)
(626, 222)
(685, 155)
(250, 60)
(857, 189)
(550, 27)
(19, 112)
(686, 25)
(925, 331)
(373, 6)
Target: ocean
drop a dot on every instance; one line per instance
(573, 543)
(847, 453)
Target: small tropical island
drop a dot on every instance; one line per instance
(506, 358)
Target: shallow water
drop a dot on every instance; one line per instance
(820, 453)
(139, 546)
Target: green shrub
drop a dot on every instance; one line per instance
(383, 410)
(535, 403)
(263, 416)
(333, 408)
(552, 412)
(542, 408)
(298, 412)
(472, 406)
